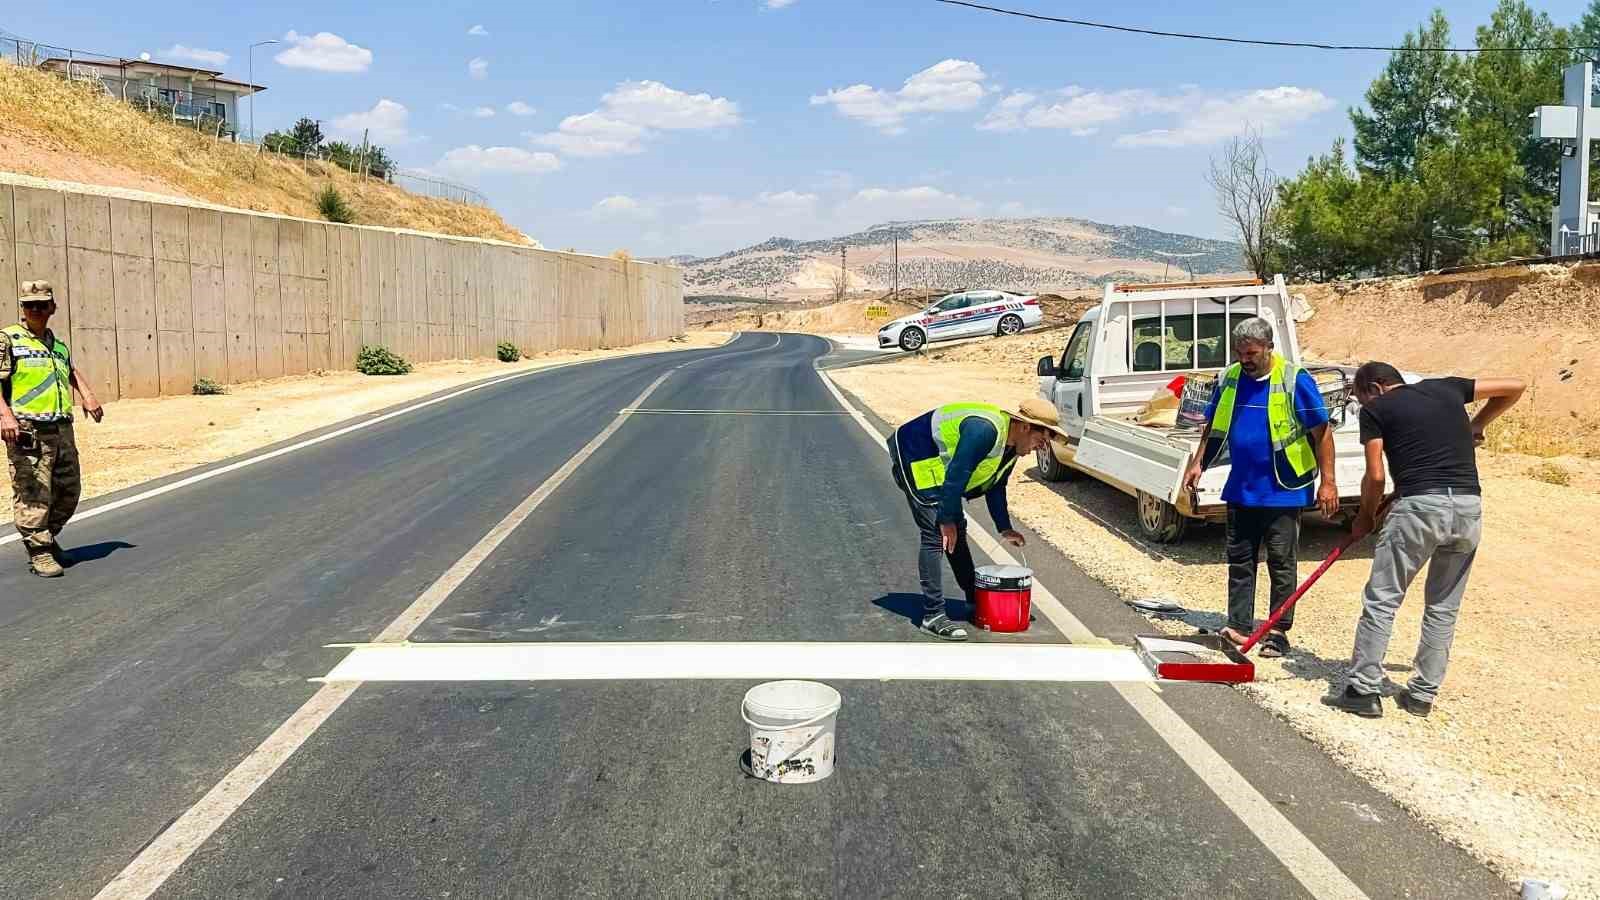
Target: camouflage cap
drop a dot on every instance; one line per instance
(36, 292)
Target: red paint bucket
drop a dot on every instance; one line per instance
(1005, 598)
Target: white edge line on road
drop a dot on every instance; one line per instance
(1309, 865)
(162, 856)
(311, 442)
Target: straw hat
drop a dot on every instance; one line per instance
(1039, 412)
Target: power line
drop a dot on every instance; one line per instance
(1223, 39)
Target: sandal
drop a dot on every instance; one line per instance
(943, 627)
(1274, 645)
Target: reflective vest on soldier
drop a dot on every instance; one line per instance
(41, 376)
(1294, 463)
(927, 446)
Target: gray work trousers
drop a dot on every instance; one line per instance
(1442, 531)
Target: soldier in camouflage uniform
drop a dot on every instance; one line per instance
(37, 379)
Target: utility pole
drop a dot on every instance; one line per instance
(896, 293)
(844, 275)
(251, 53)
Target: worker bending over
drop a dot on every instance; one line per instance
(961, 451)
(1423, 432)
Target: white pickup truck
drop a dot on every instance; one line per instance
(1139, 339)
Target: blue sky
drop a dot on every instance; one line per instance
(699, 126)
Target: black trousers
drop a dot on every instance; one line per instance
(930, 546)
(1249, 529)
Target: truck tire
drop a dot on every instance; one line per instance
(1009, 324)
(912, 339)
(1159, 521)
(1052, 469)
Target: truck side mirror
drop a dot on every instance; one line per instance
(1047, 367)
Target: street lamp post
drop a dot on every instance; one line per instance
(252, 56)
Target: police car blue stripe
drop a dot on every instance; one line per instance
(970, 319)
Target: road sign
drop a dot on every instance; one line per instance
(878, 312)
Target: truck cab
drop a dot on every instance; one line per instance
(1136, 342)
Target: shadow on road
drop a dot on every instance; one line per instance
(93, 552)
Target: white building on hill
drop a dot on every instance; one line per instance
(203, 98)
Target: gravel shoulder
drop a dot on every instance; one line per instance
(1501, 767)
(140, 440)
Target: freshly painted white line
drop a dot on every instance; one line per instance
(312, 442)
(661, 660)
(161, 857)
(1309, 865)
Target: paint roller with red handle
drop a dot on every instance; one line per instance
(1175, 658)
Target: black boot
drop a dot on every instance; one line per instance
(1368, 706)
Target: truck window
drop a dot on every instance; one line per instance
(1076, 357)
(1174, 351)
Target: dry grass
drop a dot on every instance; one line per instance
(1550, 473)
(48, 124)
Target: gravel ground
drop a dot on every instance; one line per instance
(1501, 766)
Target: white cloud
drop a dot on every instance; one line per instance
(923, 202)
(949, 86)
(324, 52)
(654, 105)
(195, 55)
(483, 112)
(478, 31)
(1216, 118)
(385, 123)
(594, 134)
(777, 4)
(518, 108)
(475, 160)
(621, 206)
(1201, 118)
(478, 68)
(1176, 211)
(793, 200)
(836, 180)
(631, 114)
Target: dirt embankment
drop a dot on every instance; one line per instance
(1541, 323)
(50, 128)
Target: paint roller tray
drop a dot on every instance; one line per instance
(1196, 657)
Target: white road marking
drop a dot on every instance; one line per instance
(1309, 865)
(161, 857)
(663, 660)
(312, 442)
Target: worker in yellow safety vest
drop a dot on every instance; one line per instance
(1271, 418)
(37, 380)
(955, 452)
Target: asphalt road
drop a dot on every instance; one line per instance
(186, 631)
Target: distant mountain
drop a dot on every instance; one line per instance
(1038, 254)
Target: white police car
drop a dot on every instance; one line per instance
(966, 314)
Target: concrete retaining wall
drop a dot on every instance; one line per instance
(154, 295)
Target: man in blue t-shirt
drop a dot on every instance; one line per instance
(1263, 500)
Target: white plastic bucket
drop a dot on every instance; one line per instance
(1535, 889)
(791, 730)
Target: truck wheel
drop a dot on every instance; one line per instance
(912, 339)
(1160, 521)
(1052, 469)
(1009, 325)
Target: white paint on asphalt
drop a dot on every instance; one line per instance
(1309, 865)
(663, 660)
(161, 857)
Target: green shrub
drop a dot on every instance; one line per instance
(507, 351)
(205, 387)
(331, 205)
(380, 361)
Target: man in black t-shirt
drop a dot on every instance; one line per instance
(1436, 518)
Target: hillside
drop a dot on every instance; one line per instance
(1038, 254)
(52, 129)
